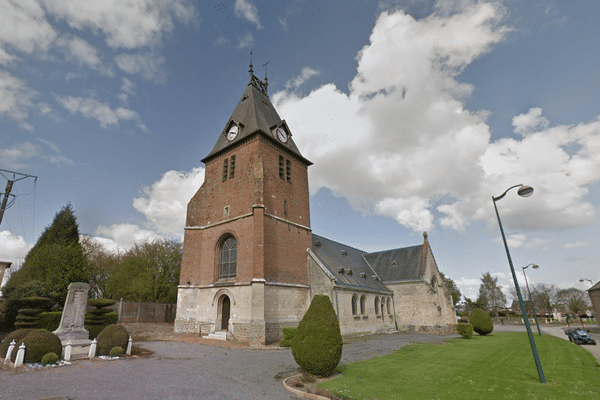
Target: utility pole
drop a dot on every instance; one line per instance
(9, 186)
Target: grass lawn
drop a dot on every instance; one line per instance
(497, 366)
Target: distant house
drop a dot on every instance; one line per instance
(251, 263)
(594, 293)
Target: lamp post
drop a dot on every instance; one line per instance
(523, 191)
(589, 280)
(534, 266)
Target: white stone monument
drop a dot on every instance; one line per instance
(71, 327)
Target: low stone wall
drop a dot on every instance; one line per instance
(435, 329)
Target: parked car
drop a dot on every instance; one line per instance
(579, 336)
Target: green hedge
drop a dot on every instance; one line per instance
(465, 330)
(288, 335)
(49, 321)
(481, 321)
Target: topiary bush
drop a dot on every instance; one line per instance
(101, 303)
(116, 351)
(317, 343)
(16, 336)
(465, 330)
(49, 321)
(481, 321)
(50, 358)
(288, 335)
(38, 343)
(111, 336)
(100, 317)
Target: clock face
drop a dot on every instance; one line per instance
(233, 132)
(282, 134)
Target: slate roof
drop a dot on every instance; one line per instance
(337, 257)
(595, 287)
(398, 264)
(405, 264)
(256, 115)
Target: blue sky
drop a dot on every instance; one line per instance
(415, 113)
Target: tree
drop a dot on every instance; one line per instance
(574, 300)
(100, 265)
(452, 289)
(54, 262)
(491, 297)
(544, 297)
(149, 271)
(317, 343)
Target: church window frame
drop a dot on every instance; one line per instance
(376, 301)
(288, 171)
(225, 169)
(363, 300)
(389, 306)
(232, 167)
(355, 305)
(281, 168)
(227, 257)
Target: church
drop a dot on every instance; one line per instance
(251, 263)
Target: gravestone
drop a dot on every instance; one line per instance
(71, 327)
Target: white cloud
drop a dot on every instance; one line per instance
(148, 65)
(125, 24)
(306, 74)
(20, 155)
(401, 137)
(13, 248)
(527, 123)
(94, 109)
(25, 28)
(246, 10)
(165, 202)
(123, 235)
(401, 143)
(82, 53)
(576, 245)
(16, 98)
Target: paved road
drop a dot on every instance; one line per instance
(185, 371)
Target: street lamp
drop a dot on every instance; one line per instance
(534, 266)
(523, 191)
(584, 279)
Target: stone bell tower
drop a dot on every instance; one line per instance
(243, 273)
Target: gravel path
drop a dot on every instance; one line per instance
(180, 370)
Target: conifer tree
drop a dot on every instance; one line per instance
(54, 262)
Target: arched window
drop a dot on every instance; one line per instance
(354, 305)
(362, 305)
(228, 258)
(389, 306)
(434, 284)
(376, 305)
(382, 306)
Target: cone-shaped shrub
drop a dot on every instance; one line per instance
(16, 336)
(465, 330)
(317, 343)
(37, 344)
(481, 321)
(112, 336)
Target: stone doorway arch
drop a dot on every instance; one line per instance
(225, 312)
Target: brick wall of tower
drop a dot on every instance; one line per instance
(268, 248)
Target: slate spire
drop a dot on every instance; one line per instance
(255, 114)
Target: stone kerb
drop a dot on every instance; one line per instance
(71, 328)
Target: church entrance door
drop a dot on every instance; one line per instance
(225, 310)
